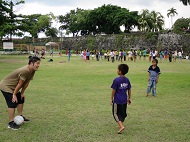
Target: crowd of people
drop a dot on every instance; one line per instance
(133, 54)
(122, 55)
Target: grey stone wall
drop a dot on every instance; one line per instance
(136, 41)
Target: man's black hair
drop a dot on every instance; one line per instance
(124, 68)
(33, 60)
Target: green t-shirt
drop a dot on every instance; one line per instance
(9, 83)
(144, 52)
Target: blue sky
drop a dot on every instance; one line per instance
(61, 7)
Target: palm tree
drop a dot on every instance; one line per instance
(144, 20)
(185, 2)
(157, 21)
(171, 13)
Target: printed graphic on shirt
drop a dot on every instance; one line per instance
(123, 86)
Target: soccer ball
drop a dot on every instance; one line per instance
(18, 120)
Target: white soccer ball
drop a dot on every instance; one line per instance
(18, 120)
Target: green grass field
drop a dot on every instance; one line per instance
(69, 102)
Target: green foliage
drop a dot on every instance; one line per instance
(69, 21)
(127, 19)
(9, 21)
(105, 19)
(150, 21)
(36, 23)
(51, 32)
(185, 2)
(181, 25)
(171, 13)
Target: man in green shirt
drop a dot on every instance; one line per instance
(13, 87)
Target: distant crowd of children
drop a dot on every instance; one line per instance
(131, 55)
(122, 55)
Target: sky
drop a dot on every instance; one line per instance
(61, 7)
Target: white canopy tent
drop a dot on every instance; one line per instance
(52, 45)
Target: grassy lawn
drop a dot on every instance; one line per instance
(69, 102)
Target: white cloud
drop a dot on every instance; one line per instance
(61, 7)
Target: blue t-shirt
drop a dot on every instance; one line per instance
(87, 53)
(154, 72)
(121, 85)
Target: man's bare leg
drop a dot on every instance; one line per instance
(11, 112)
(20, 108)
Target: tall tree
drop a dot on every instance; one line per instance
(51, 32)
(181, 25)
(102, 18)
(144, 20)
(69, 22)
(127, 19)
(4, 11)
(9, 20)
(171, 13)
(35, 23)
(157, 21)
(13, 18)
(185, 2)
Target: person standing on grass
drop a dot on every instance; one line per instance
(98, 56)
(150, 55)
(51, 52)
(175, 55)
(13, 87)
(180, 53)
(170, 55)
(130, 55)
(84, 55)
(154, 54)
(153, 76)
(108, 55)
(140, 54)
(121, 95)
(43, 54)
(161, 55)
(116, 54)
(69, 54)
(124, 55)
(88, 55)
(112, 56)
(166, 54)
(144, 54)
(101, 55)
(134, 55)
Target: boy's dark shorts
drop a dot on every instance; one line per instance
(8, 97)
(119, 112)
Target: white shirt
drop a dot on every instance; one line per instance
(179, 54)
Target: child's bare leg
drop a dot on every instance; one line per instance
(121, 127)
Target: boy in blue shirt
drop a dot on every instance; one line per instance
(121, 94)
(153, 73)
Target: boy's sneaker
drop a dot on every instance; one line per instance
(13, 125)
(25, 119)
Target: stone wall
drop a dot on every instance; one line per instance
(136, 41)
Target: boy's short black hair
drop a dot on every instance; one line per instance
(33, 59)
(124, 68)
(155, 61)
